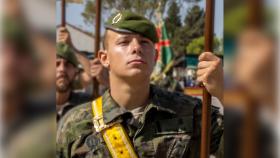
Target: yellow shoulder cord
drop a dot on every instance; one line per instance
(115, 136)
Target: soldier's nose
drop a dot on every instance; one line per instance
(136, 46)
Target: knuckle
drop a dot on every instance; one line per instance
(213, 67)
(206, 75)
(216, 64)
(218, 61)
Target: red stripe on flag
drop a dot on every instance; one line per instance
(164, 43)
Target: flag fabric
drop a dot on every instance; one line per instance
(165, 54)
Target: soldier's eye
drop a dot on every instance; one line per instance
(58, 63)
(125, 42)
(144, 42)
(69, 65)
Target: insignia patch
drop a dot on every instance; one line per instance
(117, 18)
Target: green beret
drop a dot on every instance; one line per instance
(129, 22)
(64, 51)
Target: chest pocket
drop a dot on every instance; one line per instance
(173, 137)
(96, 147)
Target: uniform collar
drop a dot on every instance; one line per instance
(112, 111)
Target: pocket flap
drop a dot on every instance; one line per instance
(175, 125)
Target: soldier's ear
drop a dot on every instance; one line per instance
(103, 58)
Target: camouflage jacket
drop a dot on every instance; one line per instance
(75, 99)
(169, 127)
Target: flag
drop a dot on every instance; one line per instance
(165, 54)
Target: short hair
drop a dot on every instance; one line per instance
(105, 40)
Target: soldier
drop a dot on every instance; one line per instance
(66, 71)
(91, 68)
(68, 59)
(134, 118)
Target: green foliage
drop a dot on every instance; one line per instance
(74, 1)
(196, 46)
(146, 8)
(88, 12)
(193, 28)
(235, 21)
(173, 20)
(180, 34)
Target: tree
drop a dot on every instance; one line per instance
(173, 19)
(193, 28)
(74, 1)
(146, 8)
(88, 12)
(196, 46)
(194, 22)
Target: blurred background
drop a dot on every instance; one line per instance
(28, 78)
(250, 76)
(246, 38)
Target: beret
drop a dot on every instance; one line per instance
(64, 51)
(129, 22)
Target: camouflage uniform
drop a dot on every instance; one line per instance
(169, 127)
(75, 99)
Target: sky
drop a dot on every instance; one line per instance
(74, 17)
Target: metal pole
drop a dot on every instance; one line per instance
(206, 104)
(97, 43)
(63, 21)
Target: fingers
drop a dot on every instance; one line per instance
(62, 29)
(63, 35)
(212, 64)
(62, 38)
(95, 61)
(201, 72)
(204, 64)
(95, 67)
(207, 66)
(203, 75)
(207, 56)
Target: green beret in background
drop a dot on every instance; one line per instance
(66, 52)
(129, 22)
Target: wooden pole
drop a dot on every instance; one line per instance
(206, 102)
(250, 126)
(255, 15)
(63, 19)
(97, 44)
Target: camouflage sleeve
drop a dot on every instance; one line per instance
(217, 129)
(71, 129)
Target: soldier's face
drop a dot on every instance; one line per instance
(129, 55)
(65, 74)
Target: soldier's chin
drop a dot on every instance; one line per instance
(62, 88)
(138, 73)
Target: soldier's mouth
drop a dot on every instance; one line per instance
(137, 61)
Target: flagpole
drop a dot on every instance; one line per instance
(250, 135)
(63, 21)
(97, 44)
(206, 102)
